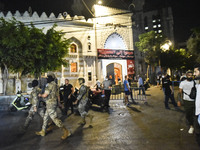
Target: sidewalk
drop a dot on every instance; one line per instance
(151, 127)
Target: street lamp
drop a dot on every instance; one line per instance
(166, 46)
(99, 2)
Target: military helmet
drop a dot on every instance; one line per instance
(34, 83)
(52, 75)
(83, 80)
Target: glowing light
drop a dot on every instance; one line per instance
(166, 46)
(99, 2)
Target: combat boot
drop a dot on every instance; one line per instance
(83, 122)
(65, 134)
(42, 133)
(91, 117)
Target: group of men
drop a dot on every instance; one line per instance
(52, 98)
(191, 103)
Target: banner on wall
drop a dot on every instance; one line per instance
(130, 67)
(115, 54)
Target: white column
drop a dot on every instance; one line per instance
(18, 84)
(62, 80)
(94, 70)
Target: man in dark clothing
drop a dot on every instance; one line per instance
(66, 93)
(131, 92)
(169, 92)
(107, 85)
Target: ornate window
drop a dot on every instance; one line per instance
(73, 67)
(73, 48)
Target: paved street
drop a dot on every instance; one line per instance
(150, 127)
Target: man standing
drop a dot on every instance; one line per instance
(67, 93)
(107, 85)
(189, 104)
(83, 102)
(141, 85)
(127, 90)
(197, 105)
(51, 95)
(169, 91)
(131, 94)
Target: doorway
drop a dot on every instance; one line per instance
(114, 71)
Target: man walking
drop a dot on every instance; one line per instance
(67, 93)
(51, 95)
(169, 92)
(35, 104)
(189, 104)
(83, 102)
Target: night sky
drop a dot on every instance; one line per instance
(186, 12)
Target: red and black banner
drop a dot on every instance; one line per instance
(115, 54)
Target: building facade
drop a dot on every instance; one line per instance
(100, 46)
(146, 18)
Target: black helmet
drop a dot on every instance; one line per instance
(83, 80)
(34, 83)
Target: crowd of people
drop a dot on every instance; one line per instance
(52, 96)
(45, 103)
(189, 91)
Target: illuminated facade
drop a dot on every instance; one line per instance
(111, 29)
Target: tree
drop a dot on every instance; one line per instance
(28, 50)
(193, 44)
(176, 59)
(149, 43)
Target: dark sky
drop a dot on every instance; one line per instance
(186, 12)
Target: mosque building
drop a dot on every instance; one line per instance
(100, 46)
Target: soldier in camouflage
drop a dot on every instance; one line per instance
(51, 95)
(83, 102)
(34, 101)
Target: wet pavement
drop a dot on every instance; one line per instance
(150, 127)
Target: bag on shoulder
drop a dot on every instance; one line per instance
(193, 91)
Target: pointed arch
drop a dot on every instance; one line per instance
(115, 41)
(77, 42)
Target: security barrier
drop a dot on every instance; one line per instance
(118, 93)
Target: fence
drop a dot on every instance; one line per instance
(118, 93)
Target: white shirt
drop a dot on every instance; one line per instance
(197, 102)
(186, 86)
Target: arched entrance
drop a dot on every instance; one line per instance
(114, 71)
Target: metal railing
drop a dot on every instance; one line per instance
(118, 93)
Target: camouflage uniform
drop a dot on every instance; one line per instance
(51, 104)
(83, 100)
(51, 94)
(34, 101)
(83, 104)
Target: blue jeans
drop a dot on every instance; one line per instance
(141, 88)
